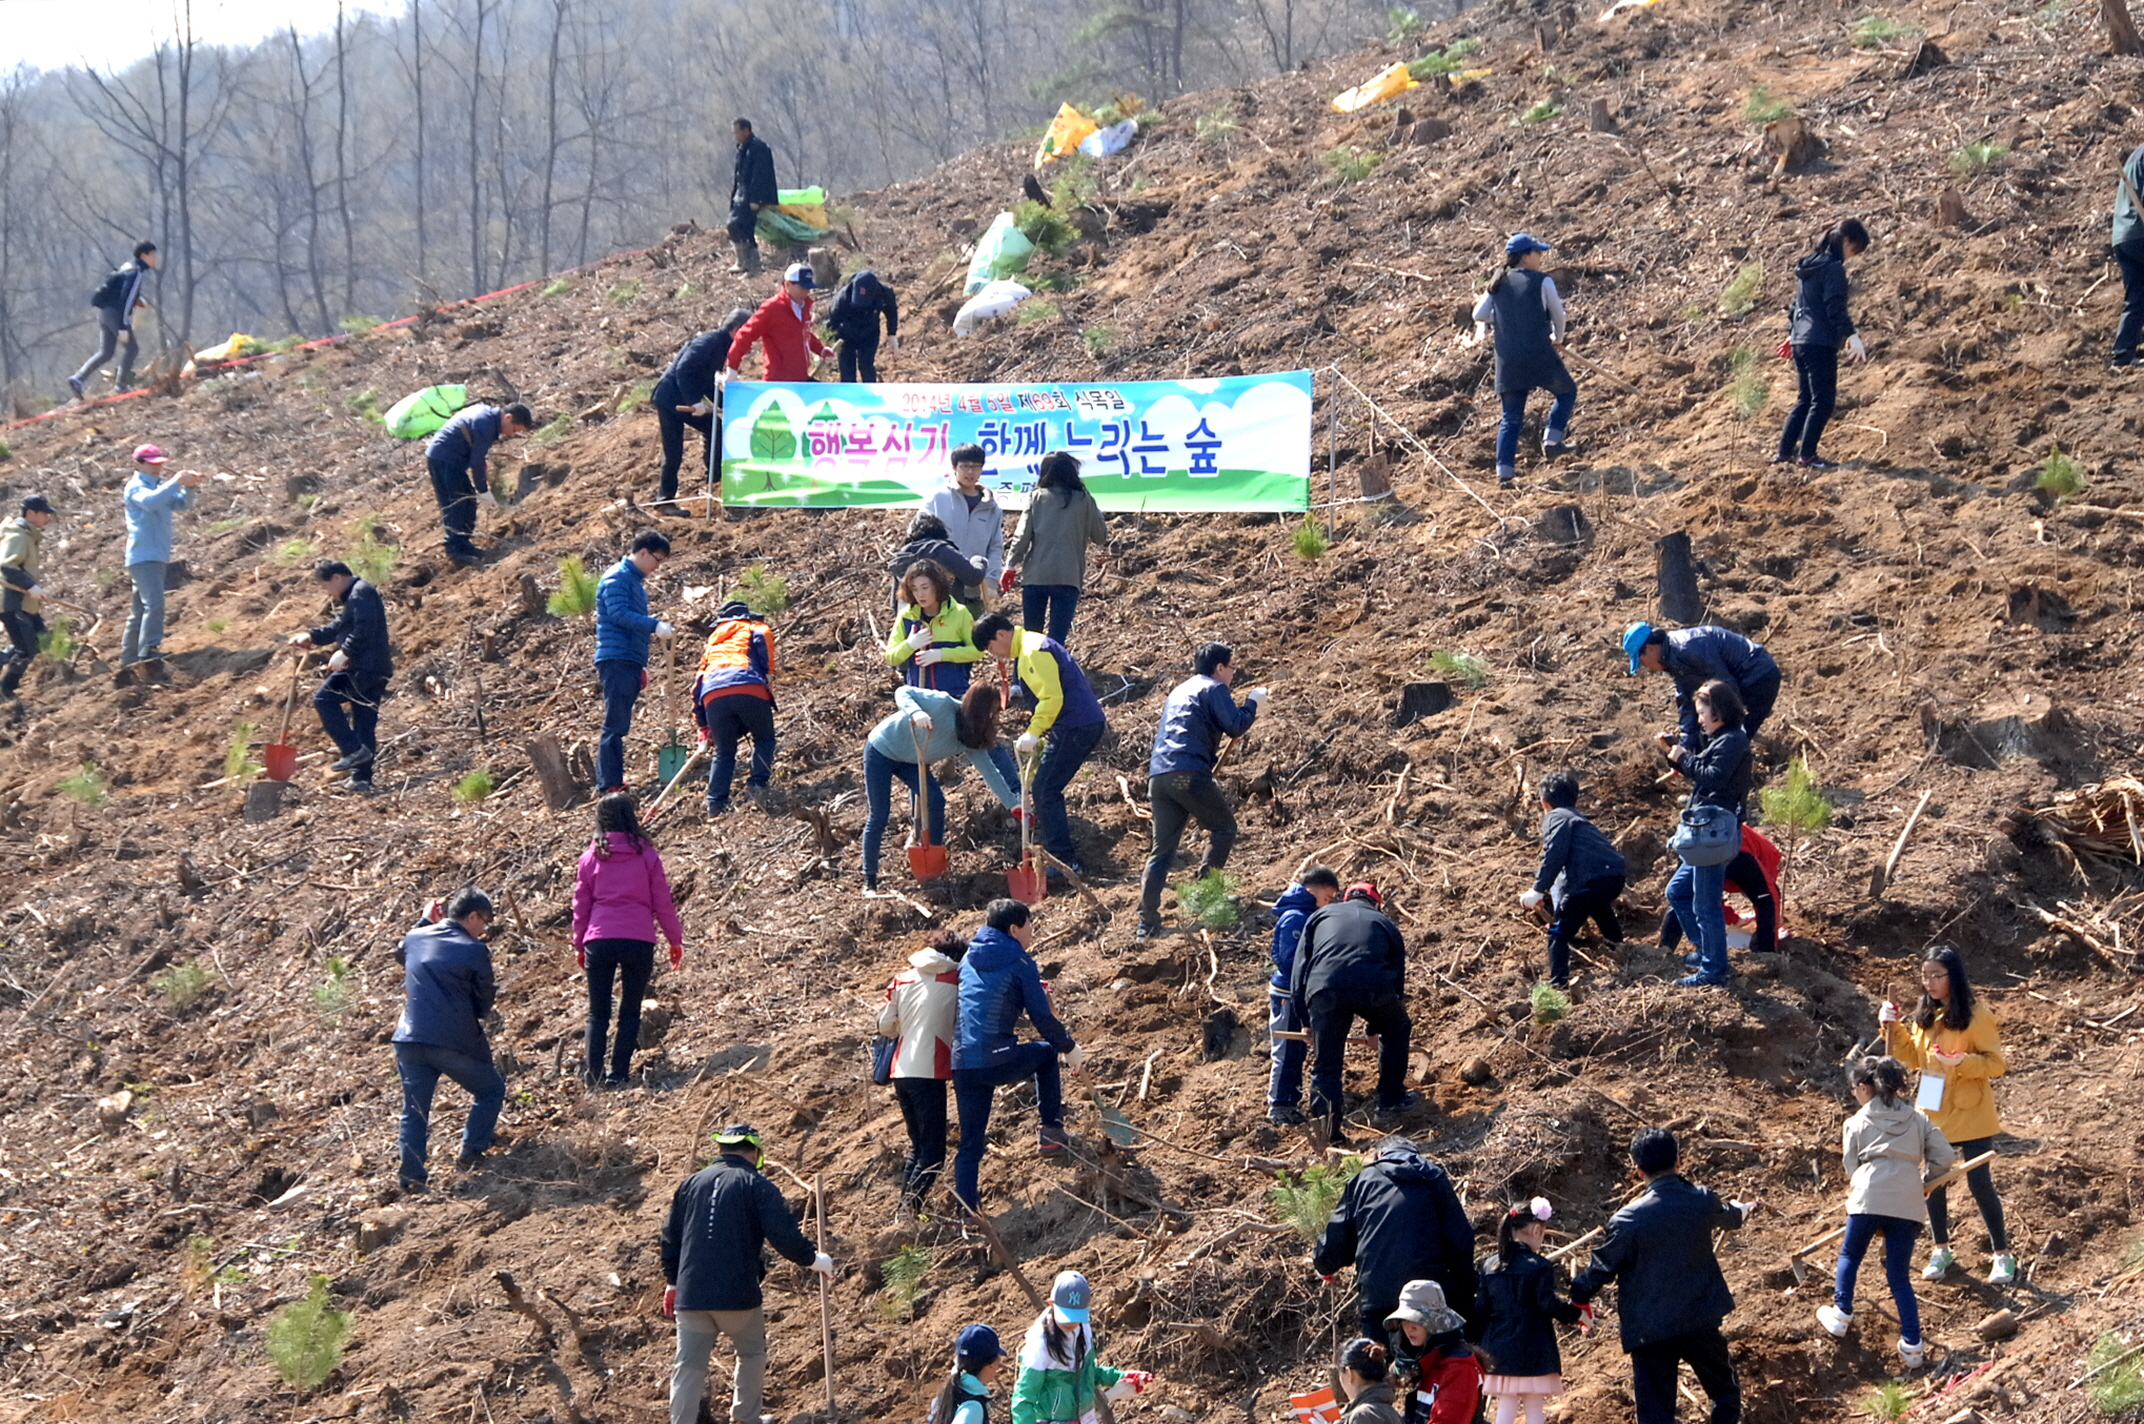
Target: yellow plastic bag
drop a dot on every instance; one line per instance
(805, 205)
(1065, 134)
(239, 345)
(1376, 89)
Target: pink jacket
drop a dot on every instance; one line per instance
(624, 895)
(922, 1008)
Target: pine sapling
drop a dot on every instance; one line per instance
(1798, 805)
(576, 596)
(306, 1338)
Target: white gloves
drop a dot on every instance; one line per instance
(664, 630)
(705, 405)
(922, 638)
(1076, 1059)
(1529, 899)
(1122, 1390)
(1258, 695)
(823, 1264)
(930, 657)
(1888, 1013)
(1027, 744)
(300, 640)
(488, 500)
(1855, 349)
(921, 721)
(722, 377)
(339, 661)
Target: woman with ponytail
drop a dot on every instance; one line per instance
(1519, 1305)
(1820, 325)
(977, 1358)
(1365, 1367)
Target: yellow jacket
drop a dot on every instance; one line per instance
(1968, 1110)
(952, 634)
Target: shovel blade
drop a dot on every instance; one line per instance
(926, 862)
(670, 760)
(1027, 884)
(279, 761)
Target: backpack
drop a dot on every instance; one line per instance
(422, 413)
(107, 294)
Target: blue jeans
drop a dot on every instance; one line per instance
(1898, 1238)
(1285, 1088)
(632, 963)
(1694, 894)
(420, 1066)
(358, 730)
(880, 771)
(730, 719)
(144, 636)
(1507, 433)
(622, 682)
(1047, 608)
(1068, 750)
(975, 1089)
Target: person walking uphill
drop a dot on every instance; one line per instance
(1066, 712)
(998, 982)
(459, 458)
(623, 630)
(931, 727)
(1350, 963)
(1060, 1372)
(1180, 787)
(1526, 314)
(921, 1015)
(689, 394)
(1672, 1295)
(752, 187)
(21, 604)
(1887, 1146)
(1820, 325)
(2128, 245)
(1292, 910)
(1399, 1220)
(1581, 874)
(974, 522)
(358, 670)
(151, 502)
(1050, 547)
(782, 329)
(115, 301)
(621, 896)
(732, 698)
(447, 992)
(1696, 656)
(853, 318)
(1951, 1036)
(720, 1218)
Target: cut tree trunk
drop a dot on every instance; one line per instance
(2121, 29)
(561, 788)
(1680, 602)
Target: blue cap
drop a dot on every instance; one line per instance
(1524, 242)
(801, 274)
(1634, 641)
(977, 1345)
(1070, 1293)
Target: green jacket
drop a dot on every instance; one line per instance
(19, 545)
(1049, 1392)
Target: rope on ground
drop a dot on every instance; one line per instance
(1415, 442)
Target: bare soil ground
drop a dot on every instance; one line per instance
(1945, 629)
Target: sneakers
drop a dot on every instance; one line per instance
(1702, 981)
(1285, 1115)
(1143, 930)
(469, 1161)
(1555, 449)
(1389, 1112)
(358, 788)
(1912, 1355)
(1817, 462)
(1940, 1261)
(2004, 1271)
(353, 761)
(1051, 1141)
(1505, 479)
(1834, 1320)
(74, 383)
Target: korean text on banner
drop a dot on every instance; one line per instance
(1237, 443)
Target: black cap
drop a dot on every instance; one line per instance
(38, 504)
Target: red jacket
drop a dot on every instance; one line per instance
(788, 342)
(1449, 1391)
(1761, 850)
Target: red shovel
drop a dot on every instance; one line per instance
(279, 758)
(925, 861)
(1027, 881)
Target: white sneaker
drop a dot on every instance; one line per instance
(1913, 1356)
(2004, 1271)
(1835, 1320)
(1940, 1261)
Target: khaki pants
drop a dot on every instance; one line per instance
(696, 1331)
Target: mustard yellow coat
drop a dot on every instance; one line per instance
(1968, 1110)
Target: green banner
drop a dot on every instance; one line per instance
(1233, 443)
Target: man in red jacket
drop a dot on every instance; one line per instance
(783, 326)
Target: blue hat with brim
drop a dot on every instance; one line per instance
(1522, 243)
(977, 1345)
(1635, 640)
(1071, 1295)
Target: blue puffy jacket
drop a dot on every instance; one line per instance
(1695, 656)
(360, 630)
(1291, 911)
(998, 979)
(623, 626)
(719, 1218)
(150, 505)
(447, 989)
(1197, 715)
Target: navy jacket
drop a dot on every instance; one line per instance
(752, 179)
(1660, 1248)
(120, 291)
(466, 441)
(360, 630)
(1290, 913)
(719, 1219)
(1819, 313)
(691, 377)
(1350, 953)
(1526, 360)
(1197, 715)
(1720, 771)
(853, 315)
(1398, 1221)
(1695, 656)
(623, 624)
(447, 989)
(966, 572)
(998, 979)
(1517, 1308)
(1574, 848)
(2128, 229)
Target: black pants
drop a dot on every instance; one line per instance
(1981, 1183)
(859, 357)
(923, 1110)
(456, 492)
(1329, 1026)
(671, 422)
(1652, 1376)
(1596, 902)
(23, 631)
(358, 730)
(730, 719)
(2131, 262)
(1817, 368)
(744, 231)
(1178, 799)
(632, 961)
(1758, 700)
(1748, 877)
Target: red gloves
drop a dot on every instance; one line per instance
(1786, 349)
(670, 1303)
(703, 736)
(677, 956)
(580, 955)
(1005, 580)
(1138, 1380)
(1019, 814)
(1327, 1279)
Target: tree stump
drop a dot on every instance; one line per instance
(2006, 727)
(1791, 142)
(1680, 601)
(1950, 209)
(264, 800)
(1566, 524)
(1599, 117)
(825, 267)
(1421, 699)
(561, 788)
(1428, 131)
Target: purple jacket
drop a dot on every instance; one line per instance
(624, 895)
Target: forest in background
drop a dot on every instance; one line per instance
(312, 182)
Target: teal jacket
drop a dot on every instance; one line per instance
(895, 738)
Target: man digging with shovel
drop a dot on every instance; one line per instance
(358, 670)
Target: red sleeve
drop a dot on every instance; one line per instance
(1458, 1385)
(754, 326)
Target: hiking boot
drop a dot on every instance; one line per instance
(1286, 1115)
(1835, 1320)
(2004, 1271)
(1940, 1261)
(464, 558)
(414, 1186)
(1814, 462)
(352, 761)
(74, 383)
(1144, 930)
(358, 788)
(1051, 1141)
(1912, 1355)
(1702, 981)
(1389, 1112)
(715, 809)
(1555, 449)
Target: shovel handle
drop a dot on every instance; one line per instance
(919, 826)
(290, 699)
(1943, 1181)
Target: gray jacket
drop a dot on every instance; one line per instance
(979, 533)
(1050, 546)
(1885, 1148)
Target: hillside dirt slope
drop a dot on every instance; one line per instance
(1951, 637)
